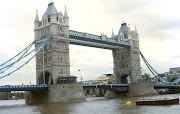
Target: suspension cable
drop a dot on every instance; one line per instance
(152, 69)
(26, 54)
(17, 54)
(45, 42)
(10, 65)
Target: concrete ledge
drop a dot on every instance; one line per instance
(142, 89)
(57, 93)
(134, 90)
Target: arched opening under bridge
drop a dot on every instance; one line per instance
(124, 79)
(48, 78)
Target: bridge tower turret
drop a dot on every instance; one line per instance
(127, 63)
(52, 63)
(56, 53)
(127, 60)
(36, 26)
(66, 21)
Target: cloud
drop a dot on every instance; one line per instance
(157, 24)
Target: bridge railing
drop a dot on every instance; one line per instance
(102, 85)
(96, 37)
(23, 86)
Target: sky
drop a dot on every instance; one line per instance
(157, 22)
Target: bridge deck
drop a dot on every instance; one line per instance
(23, 88)
(111, 87)
(167, 86)
(114, 87)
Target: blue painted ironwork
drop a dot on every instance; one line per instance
(22, 56)
(40, 47)
(124, 87)
(162, 80)
(161, 86)
(154, 72)
(23, 87)
(97, 39)
(112, 87)
(92, 44)
(18, 54)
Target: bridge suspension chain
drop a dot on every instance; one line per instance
(37, 49)
(21, 57)
(17, 54)
(154, 71)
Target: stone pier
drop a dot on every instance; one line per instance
(134, 90)
(57, 93)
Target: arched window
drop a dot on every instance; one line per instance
(60, 28)
(60, 19)
(64, 71)
(61, 71)
(49, 19)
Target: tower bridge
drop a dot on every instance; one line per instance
(124, 45)
(53, 61)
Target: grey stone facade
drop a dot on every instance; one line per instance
(56, 52)
(127, 60)
(57, 93)
(52, 63)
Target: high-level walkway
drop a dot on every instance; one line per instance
(91, 40)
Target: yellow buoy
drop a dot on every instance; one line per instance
(128, 103)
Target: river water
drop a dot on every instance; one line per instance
(92, 105)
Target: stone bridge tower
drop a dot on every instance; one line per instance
(52, 64)
(127, 60)
(56, 53)
(127, 63)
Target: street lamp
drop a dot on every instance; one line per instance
(80, 75)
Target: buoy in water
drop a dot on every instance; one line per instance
(128, 103)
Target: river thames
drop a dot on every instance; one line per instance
(92, 105)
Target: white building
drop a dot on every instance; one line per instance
(105, 78)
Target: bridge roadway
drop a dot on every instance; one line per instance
(112, 87)
(23, 88)
(86, 39)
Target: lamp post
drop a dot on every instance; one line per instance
(80, 75)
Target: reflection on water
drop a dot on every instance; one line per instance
(93, 105)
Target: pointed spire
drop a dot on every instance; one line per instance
(135, 29)
(112, 36)
(129, 29)
(37, 18)
(53, 11)
(65, 13)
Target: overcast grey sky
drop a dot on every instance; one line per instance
(157, 21)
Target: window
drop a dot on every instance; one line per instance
(63, 46)
(61, 59)
(60, 28)
(60, 20)
(49, 59)
(64, 71)
(61, 71)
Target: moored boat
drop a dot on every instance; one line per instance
(166, 101)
